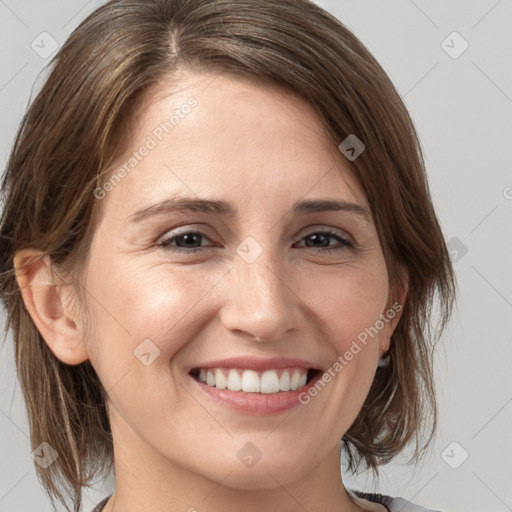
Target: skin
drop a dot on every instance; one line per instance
(262, 149)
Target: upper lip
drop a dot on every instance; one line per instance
(258, 364)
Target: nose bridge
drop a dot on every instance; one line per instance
(261, 304)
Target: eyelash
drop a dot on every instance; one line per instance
(345, 242)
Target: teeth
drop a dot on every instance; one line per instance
(250, 381)
(220, 380)
(234, 381)
(269, 382)
(210, 379)
(294, 384)
(284, 382)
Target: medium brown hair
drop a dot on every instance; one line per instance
(72, 132)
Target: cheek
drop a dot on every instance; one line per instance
(350, 303)
(137, 310)
(142, 318)
(128, 305)
(348, 306)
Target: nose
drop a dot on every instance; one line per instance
(260, 303)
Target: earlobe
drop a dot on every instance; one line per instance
(47, 301)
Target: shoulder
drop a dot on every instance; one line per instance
(392, 504)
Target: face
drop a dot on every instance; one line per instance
(257, 288)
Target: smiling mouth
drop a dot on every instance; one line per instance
(250, 381)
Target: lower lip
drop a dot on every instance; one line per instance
(259, 404)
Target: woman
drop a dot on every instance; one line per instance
(227, 375)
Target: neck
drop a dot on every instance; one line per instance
(145, 480)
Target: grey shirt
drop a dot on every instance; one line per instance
(390, 504)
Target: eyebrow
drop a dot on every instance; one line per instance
(223, 208)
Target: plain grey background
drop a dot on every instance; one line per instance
(451, 62)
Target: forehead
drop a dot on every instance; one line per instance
(247, 141)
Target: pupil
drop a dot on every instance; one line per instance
(189, 237)
(319, 236)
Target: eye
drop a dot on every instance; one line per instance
(322, 238)
(190, 241)
(185, 242)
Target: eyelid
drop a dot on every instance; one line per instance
(313, 228)
(184, 229)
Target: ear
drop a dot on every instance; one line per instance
(47, 300)
(393, 313)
